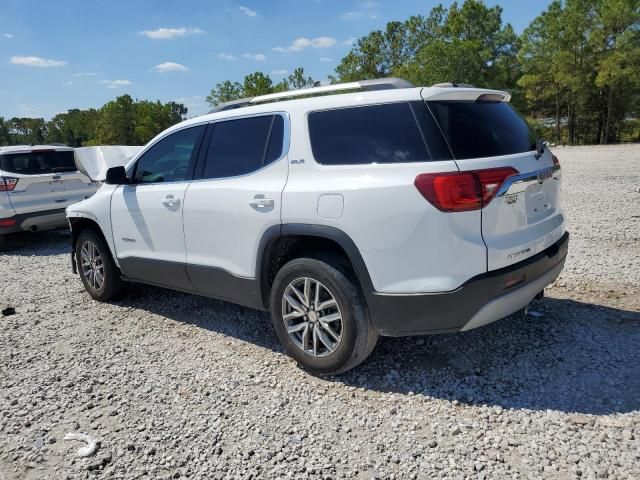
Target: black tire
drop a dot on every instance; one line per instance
(358, 336)
(3, 242)
(112, 285)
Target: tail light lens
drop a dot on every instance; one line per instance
(7, 222)
(556, 162)
(7, 184)
(462, 191)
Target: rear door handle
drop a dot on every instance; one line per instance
(170, 201)
(262, 202)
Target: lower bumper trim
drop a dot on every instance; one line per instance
(513, 301)
(44, 220)
(479, 301)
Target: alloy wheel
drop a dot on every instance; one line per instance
(92, 265)
(312, 317)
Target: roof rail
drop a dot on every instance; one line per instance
(453, 85)
(368, 85)
(232, 104)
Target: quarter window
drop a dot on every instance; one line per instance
(244, 145)
(169, 159)
(388, 133)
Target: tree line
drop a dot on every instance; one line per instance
(574, 71)
(123, 121)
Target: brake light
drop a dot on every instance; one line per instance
(462, 191)
(7, 184)
(556, 162)
(7, 222)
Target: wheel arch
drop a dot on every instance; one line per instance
(78, 224)
(282, 243)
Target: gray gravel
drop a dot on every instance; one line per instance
(177, 386)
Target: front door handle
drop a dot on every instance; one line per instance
(170, 201)
(262, 202)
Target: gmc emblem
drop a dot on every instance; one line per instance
(545, 174)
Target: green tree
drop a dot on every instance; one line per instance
(5, 138)
(616, 39)
(117, 123)
(225, 92)
(580, 62)
(26, 130)
(74, 128)
(152, 118)
(298, 80)
(257, 83)
(466, 44)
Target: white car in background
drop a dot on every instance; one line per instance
(37, 183)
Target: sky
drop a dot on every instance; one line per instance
(62, 54)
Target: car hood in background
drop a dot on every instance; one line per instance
(95, 161)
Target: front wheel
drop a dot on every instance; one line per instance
(3, 242)
(320, 318)
(98, 272)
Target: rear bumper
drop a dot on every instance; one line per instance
(481, 300)
(45, 220)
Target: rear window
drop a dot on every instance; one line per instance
(36, 163)
(388, 133)
(482, 129)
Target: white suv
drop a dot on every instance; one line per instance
(37, 183)
(388, 210)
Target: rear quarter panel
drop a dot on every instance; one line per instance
(407, 244)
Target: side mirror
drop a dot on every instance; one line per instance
(116, 176)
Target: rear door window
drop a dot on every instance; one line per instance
(482, 129)
(388, 133)
(243, 146)
(38, 162)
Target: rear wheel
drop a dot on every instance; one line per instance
(98, 272)
(320, 318)
(3, 242)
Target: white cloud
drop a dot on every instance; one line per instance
(226, 56)
(349, 41)
(84, 74)
(351, 15)
(37, 62)
(326, 59)
(279, 72)
(302, 42)
(247, 11)
(116, 83)
(258, 57)
(7, 35)
(169, 33)
(68, 84)
(170, 67)
(367, 8)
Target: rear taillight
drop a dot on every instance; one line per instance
(462, 191)
(556, 162)
(7, 184)
(7, 222)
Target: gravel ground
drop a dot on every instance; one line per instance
(177, 386)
